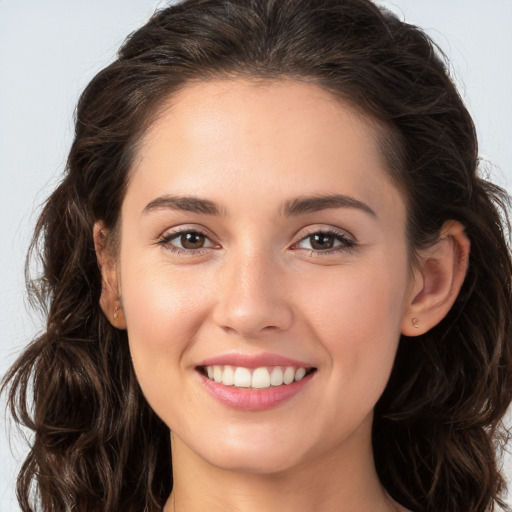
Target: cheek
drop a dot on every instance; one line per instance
(359, 300)
(357, 317)
(163, 314)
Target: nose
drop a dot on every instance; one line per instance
(252, 296)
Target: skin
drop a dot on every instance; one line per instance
(258, 285)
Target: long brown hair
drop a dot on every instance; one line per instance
(97, 444)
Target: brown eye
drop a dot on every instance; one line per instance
(322, 241)
(186, 242)
(325, 241)
(192, 240)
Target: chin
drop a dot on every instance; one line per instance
(255, 463)
(254, 454)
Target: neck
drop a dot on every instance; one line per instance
(341, 480)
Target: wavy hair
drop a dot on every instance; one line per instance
(97, 445)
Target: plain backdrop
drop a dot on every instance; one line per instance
(50, 49)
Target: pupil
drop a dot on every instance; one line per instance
(322, 241)
(192, 240)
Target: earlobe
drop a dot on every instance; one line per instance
(438, 280)
(110, 299)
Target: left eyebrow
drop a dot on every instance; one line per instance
(315, 203)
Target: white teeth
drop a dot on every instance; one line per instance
(242, 378)
(259, 378)
(299, 374)
(217, 374)
(289, 375)
(228, 377)
(276, 377)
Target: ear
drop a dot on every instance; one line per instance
(438, 279)
(110, 299)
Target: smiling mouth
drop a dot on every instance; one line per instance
(254, 378)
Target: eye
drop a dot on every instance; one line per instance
(325, 241)
(186, 241)
(191, 240)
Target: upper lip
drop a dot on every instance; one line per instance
(254, 361)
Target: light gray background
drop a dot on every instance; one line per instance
(50, 49)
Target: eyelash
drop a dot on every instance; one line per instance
(346, 244)
(166, 240)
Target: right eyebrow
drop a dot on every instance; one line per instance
(185, 203)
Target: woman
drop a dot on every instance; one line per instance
(271, 257)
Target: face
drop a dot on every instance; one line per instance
(263, 274)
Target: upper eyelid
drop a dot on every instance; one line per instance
(342, 233)
(178, 230)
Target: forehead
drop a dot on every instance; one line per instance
(286, 135)
(249, 104)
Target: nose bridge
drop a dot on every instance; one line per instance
(252, 297)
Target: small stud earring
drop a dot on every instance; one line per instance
(415, 323)
(116, 312)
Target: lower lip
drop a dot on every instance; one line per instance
(248, 399)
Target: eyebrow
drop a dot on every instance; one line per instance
(316, 203)
(185, 203)
(293, 207)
